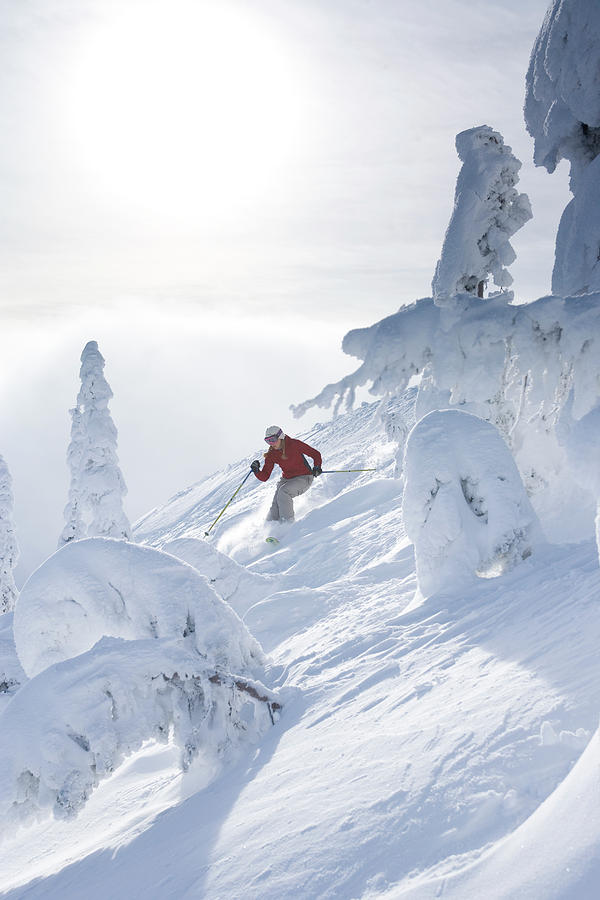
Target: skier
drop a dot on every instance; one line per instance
(297, 474)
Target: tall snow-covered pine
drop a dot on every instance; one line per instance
(9, 551)
(74, 525)
(95, 506)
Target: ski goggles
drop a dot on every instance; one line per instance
(273, 438)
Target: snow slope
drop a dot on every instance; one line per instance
(555, 853)
(420, 743)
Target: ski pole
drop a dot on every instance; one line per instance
(335, 471)
(206, 533)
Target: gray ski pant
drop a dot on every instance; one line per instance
(288, 488)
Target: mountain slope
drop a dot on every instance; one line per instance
(413, 739)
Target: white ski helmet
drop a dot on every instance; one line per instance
(273, 433)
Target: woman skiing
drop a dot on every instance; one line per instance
(297, 474)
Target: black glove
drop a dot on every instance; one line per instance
(255, 466)
(317, 470)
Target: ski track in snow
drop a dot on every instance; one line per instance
(410, 744)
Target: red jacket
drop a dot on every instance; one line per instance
(293, 464)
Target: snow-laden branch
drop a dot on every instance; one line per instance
(393, 350)
(75, 723)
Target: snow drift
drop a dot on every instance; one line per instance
(232, 582)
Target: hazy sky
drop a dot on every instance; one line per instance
(217, 192)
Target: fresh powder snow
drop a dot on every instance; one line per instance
(411, 740)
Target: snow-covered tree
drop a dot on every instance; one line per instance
(514, 366)
(74, 528)
(562, 114)
(123, 645)
(464, 507)
(9, 551)
(488, 210)
(97, 488)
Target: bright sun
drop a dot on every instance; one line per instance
(187, 109)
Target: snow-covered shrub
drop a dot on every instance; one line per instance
(562, 114)
(464, 507)
(231, 581)
(123, 644)
(73, 724)
(97, 488)
(514, 366)
(9, 551)
(488, 210)
(104, 587)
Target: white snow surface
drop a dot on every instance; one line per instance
(418, 747)
(231, 581)
(549, 856)
(465, 507)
